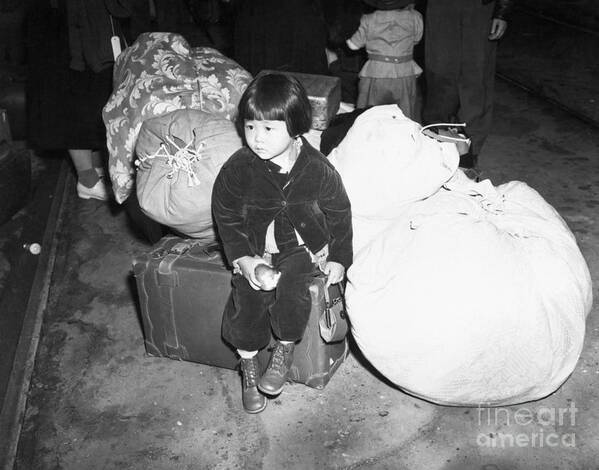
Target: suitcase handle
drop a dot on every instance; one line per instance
(187, 245)
(179, 248)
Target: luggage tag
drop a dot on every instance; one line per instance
(115, 42)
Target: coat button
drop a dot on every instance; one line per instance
(283, 203)
(303, 224)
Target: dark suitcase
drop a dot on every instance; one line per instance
(324, 94)
(183, 287)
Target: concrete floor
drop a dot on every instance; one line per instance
(553, 59)
(97, 401)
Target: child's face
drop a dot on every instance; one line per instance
(268, 139)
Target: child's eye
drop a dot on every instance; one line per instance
(268, 128)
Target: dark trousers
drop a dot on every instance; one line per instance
(460, 66)
(251, 315)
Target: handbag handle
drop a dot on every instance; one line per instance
(330, 304)
(333, 320)
(327, 295)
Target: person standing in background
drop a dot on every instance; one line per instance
(342, 19)
(389, 35)
(460, 47)
(70, 78)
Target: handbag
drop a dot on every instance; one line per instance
(333, 320)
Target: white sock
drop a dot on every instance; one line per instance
(286, 342)
(246, 354)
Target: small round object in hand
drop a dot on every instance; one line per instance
(267, 276)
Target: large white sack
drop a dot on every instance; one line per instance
(476, 295)
(385, 162)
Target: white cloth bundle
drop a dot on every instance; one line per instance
(386, 162)
(461, 293)
(474, 296)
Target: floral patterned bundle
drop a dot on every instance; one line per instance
(160, 73)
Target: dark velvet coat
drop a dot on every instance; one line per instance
(246, 199)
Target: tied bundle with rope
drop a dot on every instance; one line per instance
(179, 156)
(461, 292)
(158, 74)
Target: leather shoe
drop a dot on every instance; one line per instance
(275, 376)
(253, 401)
(97, 191)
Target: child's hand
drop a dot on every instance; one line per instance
(247, 266)
(267, 276)
(335, 272)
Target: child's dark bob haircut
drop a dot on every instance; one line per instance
(276, 97)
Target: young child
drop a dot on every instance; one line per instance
(277, 201)
(389, 35)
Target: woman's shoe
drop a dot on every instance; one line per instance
(97, 191)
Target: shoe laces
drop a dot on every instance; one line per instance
(249, 372)
(279, 354)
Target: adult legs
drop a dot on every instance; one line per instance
(477, 74)
(442, 60)
(89, 181)
(98, 162)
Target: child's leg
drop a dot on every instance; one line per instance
(246, 326)
(290, 310)
(289, 313)
(253, 401)
(405, 93)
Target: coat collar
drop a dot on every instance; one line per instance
(302, 160)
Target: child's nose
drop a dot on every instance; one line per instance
(259, 136)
